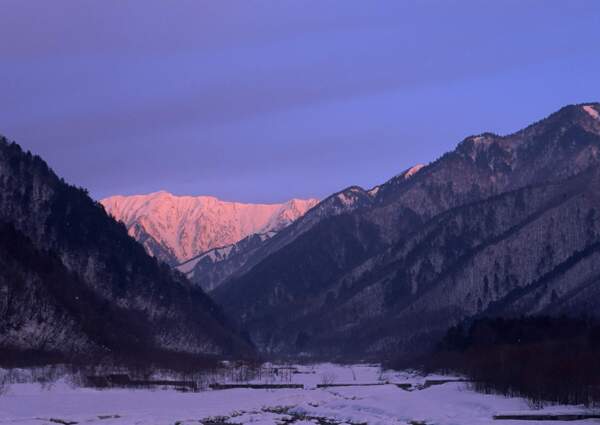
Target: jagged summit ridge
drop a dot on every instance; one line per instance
(177, 228)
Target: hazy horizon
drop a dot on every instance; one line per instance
(267, 101)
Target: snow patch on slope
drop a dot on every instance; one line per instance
(350, 197)
(345, 199)
(216, 255)
(591, 111)
(412, 171)
(374, 191)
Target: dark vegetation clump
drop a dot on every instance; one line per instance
(132, 361)
(175, 370)
(546, 360)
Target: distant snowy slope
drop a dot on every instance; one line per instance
(209, 269)
(177, 228)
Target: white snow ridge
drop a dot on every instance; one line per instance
(591, 111)
(413, 170)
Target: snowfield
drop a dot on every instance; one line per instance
(385, 403)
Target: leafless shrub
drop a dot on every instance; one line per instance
(47, 376)
(4, 381)
(328, 378)
(381, 376)
(76, 378)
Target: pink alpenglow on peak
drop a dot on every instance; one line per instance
(181, 227)
(591, 111)
(413, 170)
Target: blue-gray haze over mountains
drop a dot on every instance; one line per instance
(264, 101)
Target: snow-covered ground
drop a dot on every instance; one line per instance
(446, 404)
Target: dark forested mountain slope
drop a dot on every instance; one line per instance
(499, 218)
(73, 281)
(209, 270)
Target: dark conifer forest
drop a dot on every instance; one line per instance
(544, 359)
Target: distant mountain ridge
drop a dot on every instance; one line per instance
(176, 229)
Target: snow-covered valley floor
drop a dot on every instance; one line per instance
(445, 404)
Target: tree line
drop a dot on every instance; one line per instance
(543, 359)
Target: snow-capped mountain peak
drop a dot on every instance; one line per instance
(176, 228)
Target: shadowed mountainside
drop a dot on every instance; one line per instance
(503, 222)
(74, 282)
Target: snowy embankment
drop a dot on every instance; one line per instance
(449, 403)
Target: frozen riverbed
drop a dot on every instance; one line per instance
(449, 403)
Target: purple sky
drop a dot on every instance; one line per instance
(266, 100)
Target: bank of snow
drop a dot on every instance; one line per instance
(447, 404)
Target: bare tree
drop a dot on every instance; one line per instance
(328, 378)
(382, 377)
(3, 384)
